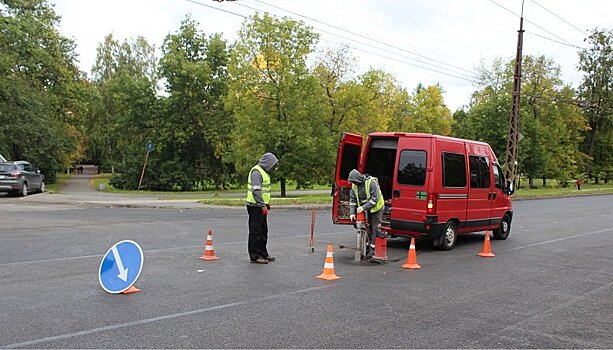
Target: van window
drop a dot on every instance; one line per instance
(351, 157)
(498, 177)
(479, 172)
(454, 170)
(412, 168)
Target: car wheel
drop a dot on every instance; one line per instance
(502, 232)
(42, 188)
(24, 190)
(448, 238)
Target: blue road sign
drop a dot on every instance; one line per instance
(120, 266)
(150, 146)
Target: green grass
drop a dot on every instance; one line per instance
(236, 197)
(61, 180)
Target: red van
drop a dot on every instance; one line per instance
(434, 187)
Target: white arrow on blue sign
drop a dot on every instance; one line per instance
(121, 266)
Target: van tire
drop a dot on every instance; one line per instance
(502, 232)
(448, 237)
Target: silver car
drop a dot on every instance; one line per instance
(20, 178)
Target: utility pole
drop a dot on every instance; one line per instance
(510, 164)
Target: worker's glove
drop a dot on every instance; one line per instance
(360, 210)
(264, 211)
(352, 217)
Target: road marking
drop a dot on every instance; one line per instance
(161, 249)
(559, 239)
(29, 343)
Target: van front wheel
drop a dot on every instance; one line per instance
(502, 232)
(448, 238)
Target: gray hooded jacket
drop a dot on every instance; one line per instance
(359, 179)
(267, 162)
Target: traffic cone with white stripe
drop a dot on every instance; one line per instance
(411, 257)
(328, 273)
(209, 252)
(486, 251)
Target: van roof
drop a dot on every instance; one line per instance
(422, 135)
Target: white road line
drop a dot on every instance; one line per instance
(160, 318)
(559, 239)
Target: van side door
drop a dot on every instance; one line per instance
(347, 159)
(410, 186)
(501, 202)
(478, 211)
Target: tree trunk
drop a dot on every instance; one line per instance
(530, 182)
(283, 184)
(544, 182)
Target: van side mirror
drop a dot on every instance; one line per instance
(509, 188)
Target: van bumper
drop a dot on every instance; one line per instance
(429, 229)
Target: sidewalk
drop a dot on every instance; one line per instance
(77, 191)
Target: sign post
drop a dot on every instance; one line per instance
(150, 147)
(120, 267)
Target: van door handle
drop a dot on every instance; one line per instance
(396, 193)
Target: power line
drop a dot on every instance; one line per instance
(560, 18)
(470, 79)
(367, 38)
(534, 24)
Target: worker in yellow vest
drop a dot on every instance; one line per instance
(365, 195)
(258, 204)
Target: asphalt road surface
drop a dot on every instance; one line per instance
(550, 284)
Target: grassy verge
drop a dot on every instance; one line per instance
(236, 197)
(61, 180)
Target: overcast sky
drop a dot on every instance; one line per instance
(428, 42)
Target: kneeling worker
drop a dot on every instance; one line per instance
(366, 196)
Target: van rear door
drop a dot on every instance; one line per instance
(348, 158)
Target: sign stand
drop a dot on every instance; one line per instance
(120, 268)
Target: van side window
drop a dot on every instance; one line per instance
(351, 157)
(412, 168)
(454, 170)
(479, 172)
(498, 178)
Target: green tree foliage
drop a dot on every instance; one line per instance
(123, 107)
(275, 99)
(41, 90)
(551, 126)
(193, 128)
(596, 94)
(424, 111)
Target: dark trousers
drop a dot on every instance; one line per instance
(258, 233)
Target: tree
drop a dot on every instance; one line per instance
(274, 99)
(124, 107)
(40, 88)
(596, 95)
(194, 127)
(550, 125)
(427, 113)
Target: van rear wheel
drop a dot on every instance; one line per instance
(448, 238)
(502, 232)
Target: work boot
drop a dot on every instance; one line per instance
(271, 258)
(260, 261)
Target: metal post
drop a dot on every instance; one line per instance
(510, 164)
(143, 172)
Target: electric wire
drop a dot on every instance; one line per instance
(470, 79)
(534, 24)
(363, 37)
(560, 18)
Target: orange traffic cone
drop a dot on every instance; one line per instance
(411, 257)
(486, 251)
(209, 252)
(131, 290)
(328, 273)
